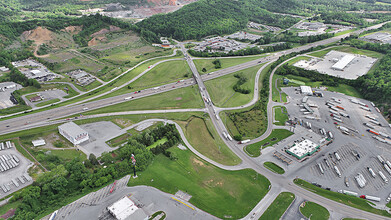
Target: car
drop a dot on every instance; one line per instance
(7, 126)
(173, 86)
(388, 199)
(135, 92)
(68, 119)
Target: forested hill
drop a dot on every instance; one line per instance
(207, 17)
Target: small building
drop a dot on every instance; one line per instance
(4, 69)
(73, 133)
(285, 81)
(37, 143)
(303, 149)
(126, 209)
(35, 98)
(342, 63)
(306, 90)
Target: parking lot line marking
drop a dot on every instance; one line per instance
(182, 203)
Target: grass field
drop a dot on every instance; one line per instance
(118, 140)
(314, 211)
(51, 101)
(204, 138)
(277, 135)
(225, 63)
(188, 97)
(348, 49)
(274, 167)
(278, 207)
(341, 198)
(297, 59)
(221, 89)
(225, 194)
(280, 115)
(69, 154)
(161, 141)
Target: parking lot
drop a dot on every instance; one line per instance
(6, 88)
(15, 177)
(356, 148)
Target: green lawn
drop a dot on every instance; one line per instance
(225, 63)
(224, 194)
(348, 49)
(69, 154)
(162, 74)
(221, 89)
(51, 101)
(277, 135)
(161, 141)
(118, 140)
(341, 198)
(280, 115)
(314, 211)
(203, 136)
(297, 59)
(274, 167)
(278, 207)
(276, 91)
(188, 97)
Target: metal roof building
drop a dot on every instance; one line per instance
(306, 90)
(342, 63)
(37, 143)
(125, 209)
(73, 133)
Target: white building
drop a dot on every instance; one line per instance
(37, 143)
(306, 90)
(126, 209)
(73, 133)
(342, 63)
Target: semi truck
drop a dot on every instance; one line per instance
(346, 181)
(337, 156)
(361, 181)
(337, 171)
(381, 160)
(340, 107)
(381, 174)
(370, 117)
(336, 100)
(372, 198)
(387, 168)
(373, 131)
(365, 108)
(370, 170)
(344, 114)
(337, 119)
(320, 168)
(331, 135)
(369, 125)
(346, 192)
(375, 122)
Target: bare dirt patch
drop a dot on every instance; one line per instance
(73, 29)
(123, 123)
(39, 35)
(178, 98)
(8, 214)
(96, 40)
(105, 31)
(198, 162)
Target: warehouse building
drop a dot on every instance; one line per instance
(126, 209)
(306, 90)
(303, 149)
(73, 133)
(342, 63)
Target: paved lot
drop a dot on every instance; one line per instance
(359, 66)
(6, 177)
(99, 133)
(5, 95)
(358, 140)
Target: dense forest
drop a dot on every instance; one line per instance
(76, 177)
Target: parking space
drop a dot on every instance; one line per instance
(356, 147)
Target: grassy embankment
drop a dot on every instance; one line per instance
(225, 63)
(278, 207)
(274, 167)
(277, 135)
(280, 115)
(315, 211)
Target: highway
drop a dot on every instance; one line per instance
(279, 183)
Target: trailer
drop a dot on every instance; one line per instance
(344, 114)
(21, 180)
(384, 135)
(244, 141)
(375, 122)
(381, 160)
(381, 174)
(330, 134)
(365, 108)
(387, 168)
(340, 107)
(337, 171)
(337, 156)
(372, 104)
(372, 198)
(336, 116)
(4, 189)
(371, 172)
(388, 163)
(336, 100)
(15, 158)
(334, 112)
(15, 182)
(217, 116)
(334, 108)
(355, 153)
(369, 125)
(355, 101)
(229, 137)
(372, 131)
(370, 117)
(320, 168)
(379, 139)
(361, 181)
(327, 162)
(53, 215)
(350, 193)
(347, 182)
(377, 109)
(128, 98)
(310, 117)
(337, 119)
(225, 135)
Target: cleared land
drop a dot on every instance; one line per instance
(225, 63)
(277, 135)
(314, 211)
(280, 115)
(341, 198)
(274, 167)
(278, 207)
(221, 89)
(204, 138)
(188, 97)
(219, 192)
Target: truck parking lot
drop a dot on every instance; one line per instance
(342, 164)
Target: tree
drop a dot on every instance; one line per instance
(93, 159)
(204, 70)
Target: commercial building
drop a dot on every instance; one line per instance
(303, 149)
(342, 63)
(306, 90)
(126, 209)
(73, 133)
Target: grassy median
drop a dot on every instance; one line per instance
(278, 207)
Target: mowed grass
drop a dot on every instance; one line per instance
(51, 101)
(188, 97)
(221, 89)
(348, 49)
(341, 198)
(164, 73)
(341, 88)
(224, 194)
(280, 115)
(277, 135)
(274, 167)
(204, 138)
(278, 207)
(158, 142)
(69, 154)
(225, 63)
(314, 211)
